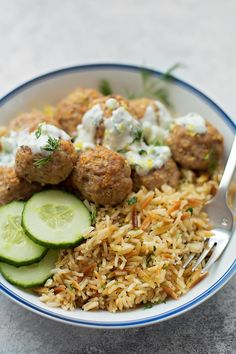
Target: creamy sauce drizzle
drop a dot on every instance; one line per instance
(86, 131)
(37, 144)
(193, 122)
(121, 130)
(144, 157)
(141, 142)
(156, 124)
(9, 145)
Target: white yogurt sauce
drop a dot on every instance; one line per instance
(9, 145)
(112, 103)
(37, 144)
(145, 158)
(156, 124)
(121, 129)
(164, 116)
(193, 122)
(87, 129)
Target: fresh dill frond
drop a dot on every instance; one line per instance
(155, 89)
(162, 95)
(38, 132)
(168, 75)
(42, 162)
(52, 145)
(105, 87)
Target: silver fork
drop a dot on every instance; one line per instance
(221, 218)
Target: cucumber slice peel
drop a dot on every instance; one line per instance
(55, 219)
(15, 247)
(32, 275)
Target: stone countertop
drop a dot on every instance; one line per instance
(39, 36)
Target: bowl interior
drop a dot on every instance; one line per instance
(51, 88)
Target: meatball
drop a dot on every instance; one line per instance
(102, 176)
(31, 121)
(196, 151)
(15, 188)
(70, 110)
(53, 170)
(167, 174)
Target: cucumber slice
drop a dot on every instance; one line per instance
(32, 275)
(55, 219)
(15, 247)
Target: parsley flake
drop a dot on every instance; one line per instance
(190, 210)
(132, 200)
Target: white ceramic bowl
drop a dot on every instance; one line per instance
(48, 89)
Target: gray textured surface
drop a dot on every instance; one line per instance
(37, 36)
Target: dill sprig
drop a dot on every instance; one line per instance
(53, 144)
(42, 162)
(38, 132)
(151, 88)
(156, 89)
(105, 87)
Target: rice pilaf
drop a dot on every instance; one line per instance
(135, 253)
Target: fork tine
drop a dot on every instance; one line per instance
(205, 252)
(215, 255)
(188, 260)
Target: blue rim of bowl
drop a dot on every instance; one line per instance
(156, 318)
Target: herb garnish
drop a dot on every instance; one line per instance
(148, 305)
(137, 134)
(105, 87)
(52, 145)
(42, 162)
(190, 210)
(132, 200)
(38, 132)
(152, 88)
(142, 152)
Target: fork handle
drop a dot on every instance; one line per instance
(229, 170)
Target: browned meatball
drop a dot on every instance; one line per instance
(54, 171)
(70, 110)
(31, 121)
(15, 188)
(168, 174)
(196, 151)
(102, 176)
